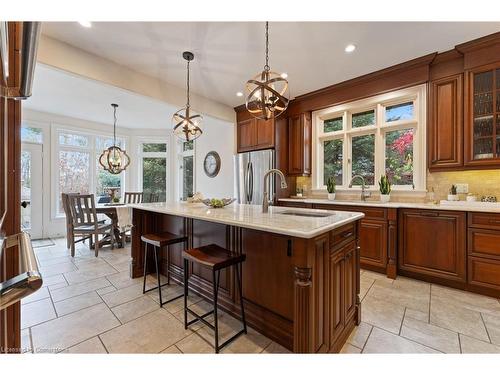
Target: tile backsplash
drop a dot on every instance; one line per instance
(481, 182)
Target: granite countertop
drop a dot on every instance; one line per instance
(251, 216)
(450, 206)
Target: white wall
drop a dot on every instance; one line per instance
(218, 135)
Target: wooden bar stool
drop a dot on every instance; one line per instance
(159, 241)
(215, 258)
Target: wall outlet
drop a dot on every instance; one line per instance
(462, 188)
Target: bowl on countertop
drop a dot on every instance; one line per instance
(218, 203)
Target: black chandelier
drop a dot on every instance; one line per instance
(187, 122)
(114, 159)
(268, 94)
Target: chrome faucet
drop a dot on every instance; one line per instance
(364, 194)
(265, 198)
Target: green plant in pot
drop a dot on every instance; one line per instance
(330, 187)
(385, 189)
(453, 196)
(116, 199)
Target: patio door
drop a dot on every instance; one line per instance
(32, 189)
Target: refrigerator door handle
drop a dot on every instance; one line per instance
(247, 184)
(250, 191)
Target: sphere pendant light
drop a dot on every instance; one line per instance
(187, 122)
(114, 159)
(268, 93)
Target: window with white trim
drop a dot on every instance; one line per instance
(153, 169)
(186, 166)
(77, 165)
(384, 134)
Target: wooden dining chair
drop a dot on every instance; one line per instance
(153, 197)
(133, 197)
(85, 221)
(70, 235)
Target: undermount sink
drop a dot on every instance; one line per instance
(306, 214)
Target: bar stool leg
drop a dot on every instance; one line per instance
(145, 267)
(158, 273)
(168, 265)
(238, 277)
(216, 320)
(186, 290)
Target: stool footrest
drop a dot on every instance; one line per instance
(156, 287)
(200, 318)
(231, 339)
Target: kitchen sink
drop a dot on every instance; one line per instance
(306, 214)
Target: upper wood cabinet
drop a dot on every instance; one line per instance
(445, 128)
(482, 117)
(299, 144)
(255, 134)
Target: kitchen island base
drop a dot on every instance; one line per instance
(301, 292)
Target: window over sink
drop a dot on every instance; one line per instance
(384, 134)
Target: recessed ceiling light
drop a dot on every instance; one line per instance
(85, 23)
(350, 48)
(284, 75)
(239, 93)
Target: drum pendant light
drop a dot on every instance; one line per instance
(268, 94)
(187, 122)
(114, 159)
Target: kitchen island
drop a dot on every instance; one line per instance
(301, 274)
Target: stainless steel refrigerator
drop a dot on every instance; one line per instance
(250, 168)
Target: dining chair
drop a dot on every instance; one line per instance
(153, 197)
(85, 221)
(70, 235)
(133, 197)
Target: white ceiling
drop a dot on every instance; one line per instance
(65, 94)
(227, 54)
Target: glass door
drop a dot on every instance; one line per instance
(32, 189)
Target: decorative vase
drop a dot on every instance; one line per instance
(331, 196)
(384, 198)
(453, 197)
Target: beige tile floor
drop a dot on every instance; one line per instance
(90, 305)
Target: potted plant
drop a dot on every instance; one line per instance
(385, 189)
(116, 200)
(452, 196)
(330, 187)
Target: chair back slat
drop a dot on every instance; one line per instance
(133, 197)
(153, 197)
(83, 209)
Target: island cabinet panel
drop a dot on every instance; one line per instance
(268, 271)
(445, 129)
(336, 296)
(432, 245)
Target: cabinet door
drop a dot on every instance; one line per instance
(482, 118)
(299, 147)
(336, 294)
(247, 135)
(265, 134)
(446, 123)
(350, 278)
(373, 243)
(432, 243)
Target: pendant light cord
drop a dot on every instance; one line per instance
(266, 67)
(114, 126)
(187, 105)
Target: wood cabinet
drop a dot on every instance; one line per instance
(299, 144)
(373, 235)
(483, 253)
(255, 134)
(445, 128)
(432, 245)
(297, 204)
(482, 117)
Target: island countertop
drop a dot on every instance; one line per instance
(251, 216)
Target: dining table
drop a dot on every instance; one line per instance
(109, 209)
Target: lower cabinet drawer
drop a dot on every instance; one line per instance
(484, 272)
(298, 204)
(484, 220)
(483, 242)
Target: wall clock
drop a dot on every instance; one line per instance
(211, 164)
